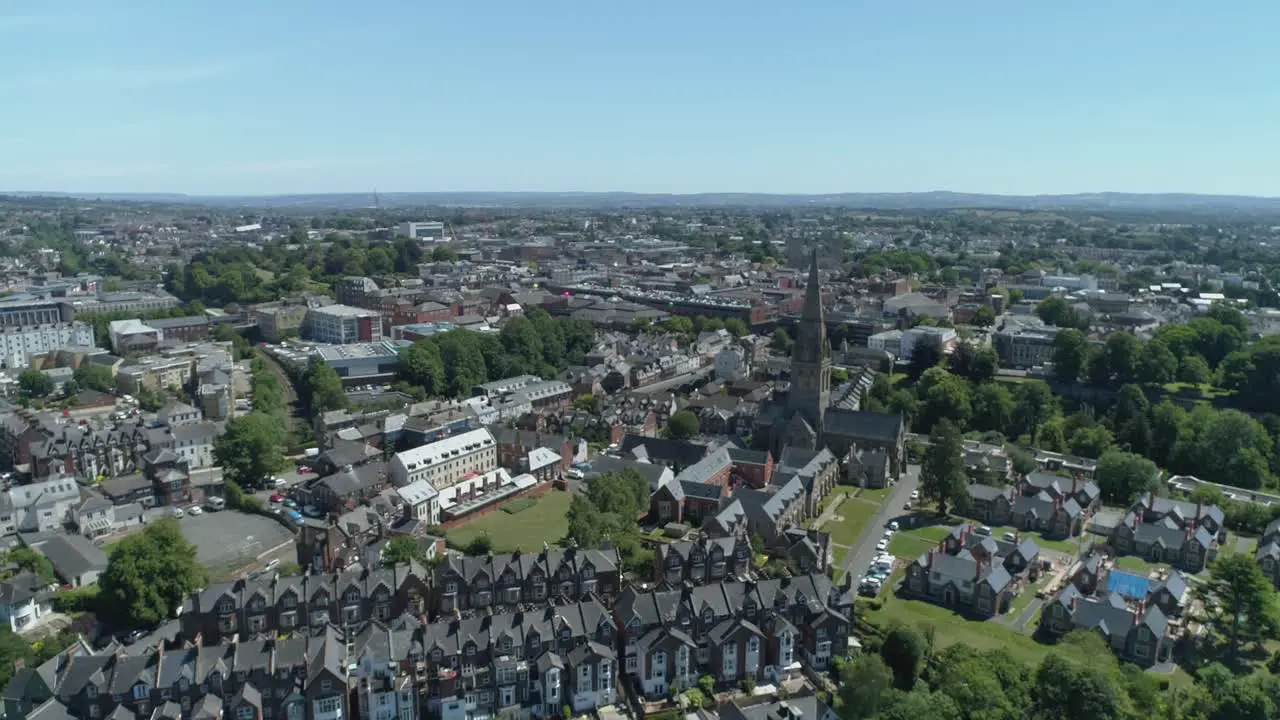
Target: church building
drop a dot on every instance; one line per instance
(809, 418)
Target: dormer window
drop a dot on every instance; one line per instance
(470, 649)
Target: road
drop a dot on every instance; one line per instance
(859, 558)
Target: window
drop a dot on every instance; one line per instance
(293, 711)
(246, 712)
(326, 706)
(91, 691)
(140, 691)
(326, 685)
(753, 645)
(631, 663)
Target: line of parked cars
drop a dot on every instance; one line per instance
(881, 567)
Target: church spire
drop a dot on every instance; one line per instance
(813, 291)
(810, 392)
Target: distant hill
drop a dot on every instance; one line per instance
(939, 200)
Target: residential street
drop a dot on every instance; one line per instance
(859, 558)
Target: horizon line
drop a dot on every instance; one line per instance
(371, 193)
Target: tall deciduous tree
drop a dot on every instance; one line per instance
(864, 684)
(683, 425)
(251, 448)
(1123, 476)
(903, 652)
(1070, 353)
(34, 384)
(324, 388)
(149, 575)
(942, 477)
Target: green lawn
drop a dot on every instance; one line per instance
(855, 514)
(909, 547)
(526, 530)
(951, 628)
(876, 495)
(1071, 546)
(1137, 564)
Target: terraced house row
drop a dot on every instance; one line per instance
(763, 630)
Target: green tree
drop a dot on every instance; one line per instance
(1130, 418)
(609, 509)
(34, 384)
(32, 561)
(402, 549)
(1192, 369)
(1123, 476)
(324, 388)
(1121, 351)
(1033, 405)
(736, 327)
(975, 363)
(925, 354)
(1157, 365)
(942, 478)
(864, 684)
(1070, 352)
(251, 448)
(443, 253)
(993, 407)
(683, 425)
(942, 396)
(422, 365)
(1090, 442)
(1239, 601)
(149, 575)
(984, 317)
(1063, 690)
(903, 652)
(94, 377)
(781, 341)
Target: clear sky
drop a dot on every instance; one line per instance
(273, 96)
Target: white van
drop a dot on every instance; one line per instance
(214, 503)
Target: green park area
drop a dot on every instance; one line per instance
(526, 527)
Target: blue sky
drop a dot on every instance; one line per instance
(274, 96)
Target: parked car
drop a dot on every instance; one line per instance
(1010, 537)
(882, 545)
(289, 503)
(312, 511)
(194, 510)
(177, 512)
(915, 494)
(295, 516)
(277, 482)
(214, 503)
(277, 498)
(893, 526)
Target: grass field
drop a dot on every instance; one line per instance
(855, 514)
(527, 530)
(1137, 564)
(951, 628)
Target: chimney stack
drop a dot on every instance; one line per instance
(1151, 499)
(1074, 598)
(932, 552)
(977, 574)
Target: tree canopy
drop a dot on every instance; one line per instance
(149, 575)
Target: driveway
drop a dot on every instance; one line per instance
(859, 558)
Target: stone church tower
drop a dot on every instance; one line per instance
(810, 361)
